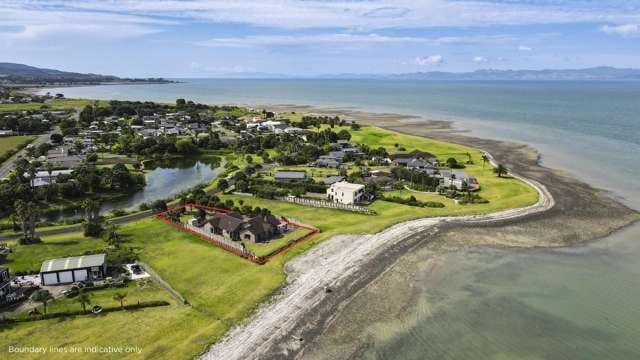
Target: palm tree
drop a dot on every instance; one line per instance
(49, 167)
(500, 170)
(113, 238)
(121, 298)
(27, 212)
(43, 297)
(91, 217)
(485, 159)
(84, 299)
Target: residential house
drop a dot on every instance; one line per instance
(346, 193)
(6, 292)
(290, 175)
(234, 226)
(43, 178)
(73, 269)
(330, 180)
(460, 180)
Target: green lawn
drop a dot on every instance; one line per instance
(222, 288)
(28, 258)
(266, 248)
(136, 291)
(13, 142)
(53, 104)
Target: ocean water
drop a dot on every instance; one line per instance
(487, 303)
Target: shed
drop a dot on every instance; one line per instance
(290, 175)
(73, 269)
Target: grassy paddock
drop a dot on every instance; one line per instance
(8, 143)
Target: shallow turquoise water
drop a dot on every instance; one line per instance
(485, 303)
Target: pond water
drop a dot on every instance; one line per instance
(165, 179)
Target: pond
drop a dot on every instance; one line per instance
(165, 179)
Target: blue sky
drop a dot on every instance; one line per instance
(198, 38)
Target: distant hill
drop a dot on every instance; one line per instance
(596, 73)
(11, 73)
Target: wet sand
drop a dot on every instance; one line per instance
(331, 324)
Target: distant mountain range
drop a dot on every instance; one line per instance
(11, 73)
(595, 73)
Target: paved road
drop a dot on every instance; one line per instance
(6, 168)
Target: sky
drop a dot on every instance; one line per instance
(198, 38)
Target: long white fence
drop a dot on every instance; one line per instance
(326, 204)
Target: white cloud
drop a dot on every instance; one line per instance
(480, 59)
(371, 14)
(429, 60)
(524, 48)
(349, 38)
(626, 30)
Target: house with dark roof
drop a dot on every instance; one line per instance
(6, 291)
(330, 180)
(234, 226)
(290, 175)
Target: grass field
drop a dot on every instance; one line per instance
(222, 288)
(53, 104)
(265, 249)
(13, 142)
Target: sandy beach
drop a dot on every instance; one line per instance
(302, 319)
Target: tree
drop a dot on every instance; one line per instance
(56, 138)
(113, 238)
(158, 206)
(120, 297)
(452, 163)
(27, 212)
(500, 170)
(344, 135)
(44, 297)
(186, 147)
(92, 225)
(83, 299)
(485, 159)
(180, 103)
(222, 184)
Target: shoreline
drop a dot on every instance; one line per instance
(349, 266)
(341, 258)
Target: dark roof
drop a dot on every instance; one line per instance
(413, 155)
(285, 174)
(233, 221)
(229, 222)
(260, 224)
(333, 179)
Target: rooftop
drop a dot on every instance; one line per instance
(344, 185)
(70, 263)
(290, 174)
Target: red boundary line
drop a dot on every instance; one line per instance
(260, 260)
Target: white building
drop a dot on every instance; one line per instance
(345, 192)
